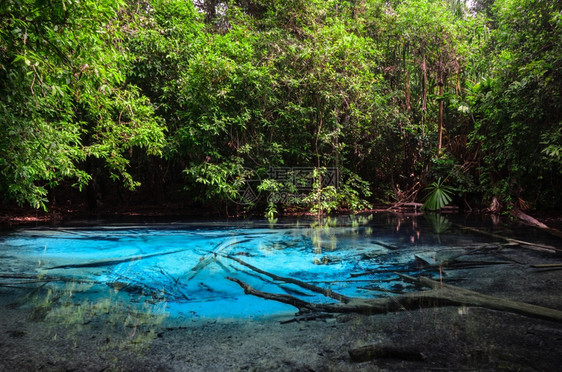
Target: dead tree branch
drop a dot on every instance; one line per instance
(310, 287)
(439, 296)
(103, 263)
(534, 246)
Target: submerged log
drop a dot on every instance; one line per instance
(534, 222)
(530, 245)
(103, 263)
(439, 296)
(310, 287)
(377, 351)
(212, 256)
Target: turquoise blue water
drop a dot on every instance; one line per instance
(182, 269)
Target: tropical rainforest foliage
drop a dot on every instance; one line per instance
(306, 104)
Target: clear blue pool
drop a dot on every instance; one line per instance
(180, 270)
(146, 297)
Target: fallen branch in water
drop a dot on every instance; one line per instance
(385, 271)
(286, 299)
(212, 256)
(131, 285)
(432, 267)
(308, 317)
(534, 246)
(534, 222)
(310, 287)
(380, 289)
(439, 296)
(39, 278)
(545, 266)
(103, 263)
(385, 245)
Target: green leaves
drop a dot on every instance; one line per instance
(100, 88)
(438, 195)
(64, 97)
(304, 84)
(517, 111)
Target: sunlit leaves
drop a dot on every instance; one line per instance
(363, 86)
(64, 97)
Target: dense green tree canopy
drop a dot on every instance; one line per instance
(197, 100)
(64, 97)
(518, 103)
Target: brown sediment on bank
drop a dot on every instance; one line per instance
(11, 216)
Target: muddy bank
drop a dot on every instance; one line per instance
(447, 338)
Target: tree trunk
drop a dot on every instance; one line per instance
(440, 122)
(408, 98)
(424, 91)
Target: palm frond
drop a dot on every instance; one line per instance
(438, 196)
